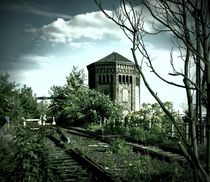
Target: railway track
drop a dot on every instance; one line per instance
(70, 165)
(154, 152)
(64, 166)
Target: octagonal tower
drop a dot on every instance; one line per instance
(116, 76)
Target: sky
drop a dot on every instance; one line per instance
(41, 40)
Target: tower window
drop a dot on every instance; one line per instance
(104, 79)
(127, 81)
(130, 79)
(125, 95)
(120, 78)
(107, 79)
(111, 78)
(124, 79)
(106, 92)
(137, 81)
(100, 81)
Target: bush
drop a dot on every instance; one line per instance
(25, 157)
(142, 135)
(120, 147)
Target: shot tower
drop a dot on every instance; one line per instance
(116, 76)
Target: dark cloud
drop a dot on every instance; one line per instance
(18, 63)
(35, 10)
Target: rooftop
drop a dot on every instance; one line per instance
(114, 58)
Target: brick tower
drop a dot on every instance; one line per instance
(116, 76)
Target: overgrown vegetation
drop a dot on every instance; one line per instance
(24, 155)
(149, 125)
(119, 160)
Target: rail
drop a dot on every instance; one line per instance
(162, 153)
(99, 173)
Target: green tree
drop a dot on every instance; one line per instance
(76, 79)
(87, 106)
(14, 102)
(76, 104)
(28, 103)
(56, 107)
(9, 104)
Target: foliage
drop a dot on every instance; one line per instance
(25, 157)
(8, 95)
(153, 170)
(15, 102)
(28, 103)
(149, 124)
(7, 156)
(95, 127)
(152, 118)
(75, 104)
(119, 146)
(32, 157)
(42, 107)
(141, 135)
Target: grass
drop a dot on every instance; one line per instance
(119, 160)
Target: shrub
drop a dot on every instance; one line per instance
(119, 146)
(25, 157)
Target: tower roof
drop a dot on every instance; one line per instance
(114, 58)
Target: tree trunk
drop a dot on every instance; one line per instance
(208, 119)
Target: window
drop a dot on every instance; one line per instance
(111, 78)
(120, 79)
(124, 79)
(100, 81)
(130, 79)
(127, 81)
(106, 92)
(137, 81)
(125, 95)
(104, 79)
(107, 78)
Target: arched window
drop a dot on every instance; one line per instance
(137, 81)
(106, 92)
(100, 81)
(130, 79)
(125, 95)
(111, 78)
(104, 79)
(124, 79)
(127, 81)
(120, 79)
(107, 79)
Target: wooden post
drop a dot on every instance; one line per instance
(187, 131)
(172, 130)
(53, 123)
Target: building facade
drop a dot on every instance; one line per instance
(117, 77)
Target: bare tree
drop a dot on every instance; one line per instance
(189, 23)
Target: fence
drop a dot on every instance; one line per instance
(43, 120)
(186, 130)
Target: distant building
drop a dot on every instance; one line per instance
(116, 76)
